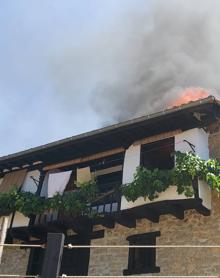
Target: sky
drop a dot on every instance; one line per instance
(45, 47)
(71, 66)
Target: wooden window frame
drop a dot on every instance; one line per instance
(142, 239)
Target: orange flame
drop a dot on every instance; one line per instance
(188, 95)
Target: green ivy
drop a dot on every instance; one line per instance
(7, 203)
(188, 169)
(147, 183)
(74, 202)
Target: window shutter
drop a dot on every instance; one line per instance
(13, 179)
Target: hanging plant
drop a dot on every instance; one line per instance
(7, 204)
(188, 168)
(147, 183)
(74, 202)
(77, 201)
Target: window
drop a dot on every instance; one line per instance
(158, 154)
(35, 261)
(142, 260)
(74, 261)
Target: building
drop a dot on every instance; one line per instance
(112, 154)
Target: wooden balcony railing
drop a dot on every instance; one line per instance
(108, 201)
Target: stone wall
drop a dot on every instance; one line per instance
(195, 229)
(14, 261)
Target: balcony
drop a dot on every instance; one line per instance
(104, 208)
(170, 202)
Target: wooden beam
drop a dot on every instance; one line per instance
(83, 159)
(157, 137)
(177, 211)
(53, 256)
(106, 221)
(20, 234)
(126, 219)
(148, 213)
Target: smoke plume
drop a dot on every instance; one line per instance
(174, 47)
(143, 60)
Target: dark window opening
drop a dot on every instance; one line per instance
(35, 261)
(158, 154)
(109, 199)
(74, 261)
(109, 181)
(71, 183)
(142, 260)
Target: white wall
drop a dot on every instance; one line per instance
(29, 185)
(197, 137)
(131, 162)
(169, 194)
(20, 220)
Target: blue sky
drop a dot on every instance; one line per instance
(45, 84)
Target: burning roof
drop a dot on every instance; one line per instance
(189, 95)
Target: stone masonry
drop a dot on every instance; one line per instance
(14, 261)
(195, 229)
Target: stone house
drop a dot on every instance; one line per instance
(112, 154)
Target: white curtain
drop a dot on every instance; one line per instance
(57, 183)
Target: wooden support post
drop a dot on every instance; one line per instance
(3, 233)
(53, 255)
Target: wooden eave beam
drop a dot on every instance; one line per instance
(158, 137)
(83, 159)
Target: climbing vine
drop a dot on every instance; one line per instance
(73, 202)
(188, 168)
(147, 183)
